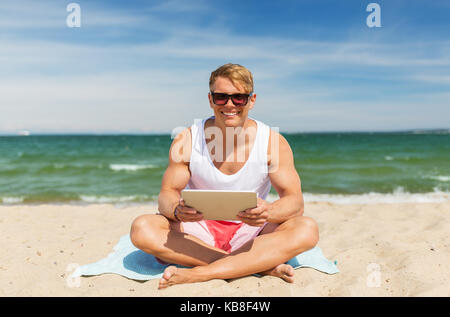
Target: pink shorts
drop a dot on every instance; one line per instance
(228, 236)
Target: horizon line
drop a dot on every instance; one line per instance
(113, 133)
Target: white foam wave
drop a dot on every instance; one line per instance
(130, 167)
(440, 178)
(112, 199)
(12, 200)
(388, 158)
(399, 195)
(79, 165)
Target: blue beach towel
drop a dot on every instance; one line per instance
(128, 261)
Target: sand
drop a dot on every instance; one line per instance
(381, 250)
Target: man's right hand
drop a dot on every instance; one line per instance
(186, 213)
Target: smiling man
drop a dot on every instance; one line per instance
(228, 151)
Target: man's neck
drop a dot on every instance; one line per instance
(237, 130)
(230, 139)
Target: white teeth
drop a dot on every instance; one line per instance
(229, 113)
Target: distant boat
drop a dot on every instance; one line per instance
(23, 133)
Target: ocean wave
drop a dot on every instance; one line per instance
(112, 199)
(130, 167)
(80, 165)
(65, 167)
(401, 158)
(399, 195)
(439, 178)
(12, 200)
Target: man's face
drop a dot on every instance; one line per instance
(229, 114)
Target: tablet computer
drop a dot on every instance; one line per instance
(219, 204)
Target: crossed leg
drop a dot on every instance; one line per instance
(265, 254)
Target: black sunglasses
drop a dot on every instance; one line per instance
(221, 99)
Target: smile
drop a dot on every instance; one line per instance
(230, 114)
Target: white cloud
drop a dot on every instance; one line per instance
(34, 15)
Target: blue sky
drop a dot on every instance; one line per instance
(143, 66)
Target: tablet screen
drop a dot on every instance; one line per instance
(219, 204)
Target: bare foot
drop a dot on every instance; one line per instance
(283, 271)
(173, 275)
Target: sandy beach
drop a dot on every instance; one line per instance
(398, 249)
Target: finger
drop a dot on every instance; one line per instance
(260, 202)
(254, 223)
(187, 210)
(262, 217)
(190, 214)
(255, 215)
(246, 216)
(243, 214)
(181, 202)
(252, 220)
(191, 218)
(253, 208)
(252, 213)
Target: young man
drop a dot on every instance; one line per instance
(228, 151)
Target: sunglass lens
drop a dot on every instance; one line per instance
(220, 99)
(239, 99)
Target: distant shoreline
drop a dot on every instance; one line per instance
(406, 131)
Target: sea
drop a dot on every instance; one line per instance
(363, 167)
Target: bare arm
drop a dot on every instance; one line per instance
(285, 180)
(176, 175)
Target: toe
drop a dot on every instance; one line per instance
(289, 270)
(286, 272)
(167, 274)
(162, 284)
(169, 271)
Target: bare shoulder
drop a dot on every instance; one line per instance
(184, 135)
(281, 166)
(278, 148)
(180, 150)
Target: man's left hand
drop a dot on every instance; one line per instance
(255, 216)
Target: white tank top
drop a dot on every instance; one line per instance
(253, 176)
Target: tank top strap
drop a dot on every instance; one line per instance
(262, 142)
(197, 139)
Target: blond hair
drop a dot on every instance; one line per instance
(240, 76)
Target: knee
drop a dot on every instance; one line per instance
(306, 233)
(142, 232)
(138, 230)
